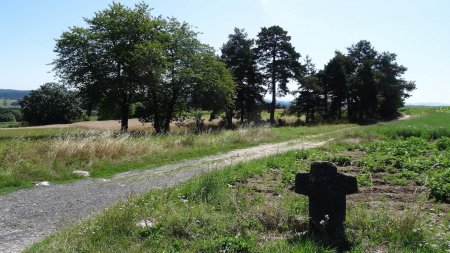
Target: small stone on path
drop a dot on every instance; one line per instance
(45, 183)
(81, 173)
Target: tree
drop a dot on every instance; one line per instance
(7, 117)
(240, 58)
(50, 104)
(362, 101)
(215, 90)
(98, 60)
(180, 74)
(279, 62)
(309, 99)
(336, 80)
(392, 89)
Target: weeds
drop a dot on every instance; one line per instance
(242, 209)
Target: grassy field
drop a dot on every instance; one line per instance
(418, 110)
(402, 204)
(9, 124)
(31, 155)
(6, 103)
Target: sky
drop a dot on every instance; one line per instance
(417, 31)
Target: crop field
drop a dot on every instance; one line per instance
(403, 172)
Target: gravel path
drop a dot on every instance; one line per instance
(27, 216)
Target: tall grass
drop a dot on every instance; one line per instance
(53, 155)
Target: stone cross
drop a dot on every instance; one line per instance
(327, 190)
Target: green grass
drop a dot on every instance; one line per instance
(9, 124)
(429, 126)
(30, 156)
(250, 207)
(418, 110)
(6, 103)
(265, 115)
(244, 208)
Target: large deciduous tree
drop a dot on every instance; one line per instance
(240, 58)
(180, 74)
(98, 60)
(50, 104)
(278, 60)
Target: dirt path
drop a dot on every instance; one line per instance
(27, 216)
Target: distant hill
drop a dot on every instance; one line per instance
(13, 94)
(284, 103)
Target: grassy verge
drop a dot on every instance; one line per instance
(9, 124)
(251, 208)
(30, 156)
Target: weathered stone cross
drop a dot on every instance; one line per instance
(327, 190)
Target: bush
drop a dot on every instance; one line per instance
(7, 117)
(50, 104)
(439, 184)
(443, 144)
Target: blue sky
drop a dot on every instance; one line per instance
(418, 31)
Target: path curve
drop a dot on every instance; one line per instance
(27, 216)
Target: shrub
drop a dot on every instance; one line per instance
(439, 184)
(443, 143)
(7, 117)
(50, 104)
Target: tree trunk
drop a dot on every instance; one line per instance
(229, 118)
(274, 90)
(156, 115)
(170, 111)
(124, 113)
(124, 103)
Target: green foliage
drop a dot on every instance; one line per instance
(235, 244)
(439, 183)
(443, 144)
(309, 99)
(411, 159)
(366, 85)
(7, 117)
(239, 56)
(50, 104)
(279, 62)
(158, 62)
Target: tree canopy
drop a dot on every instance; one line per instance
(240, 57)
(126, 55)
(126, 58)
(279, 62)
(366, 85)
(50, 104)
